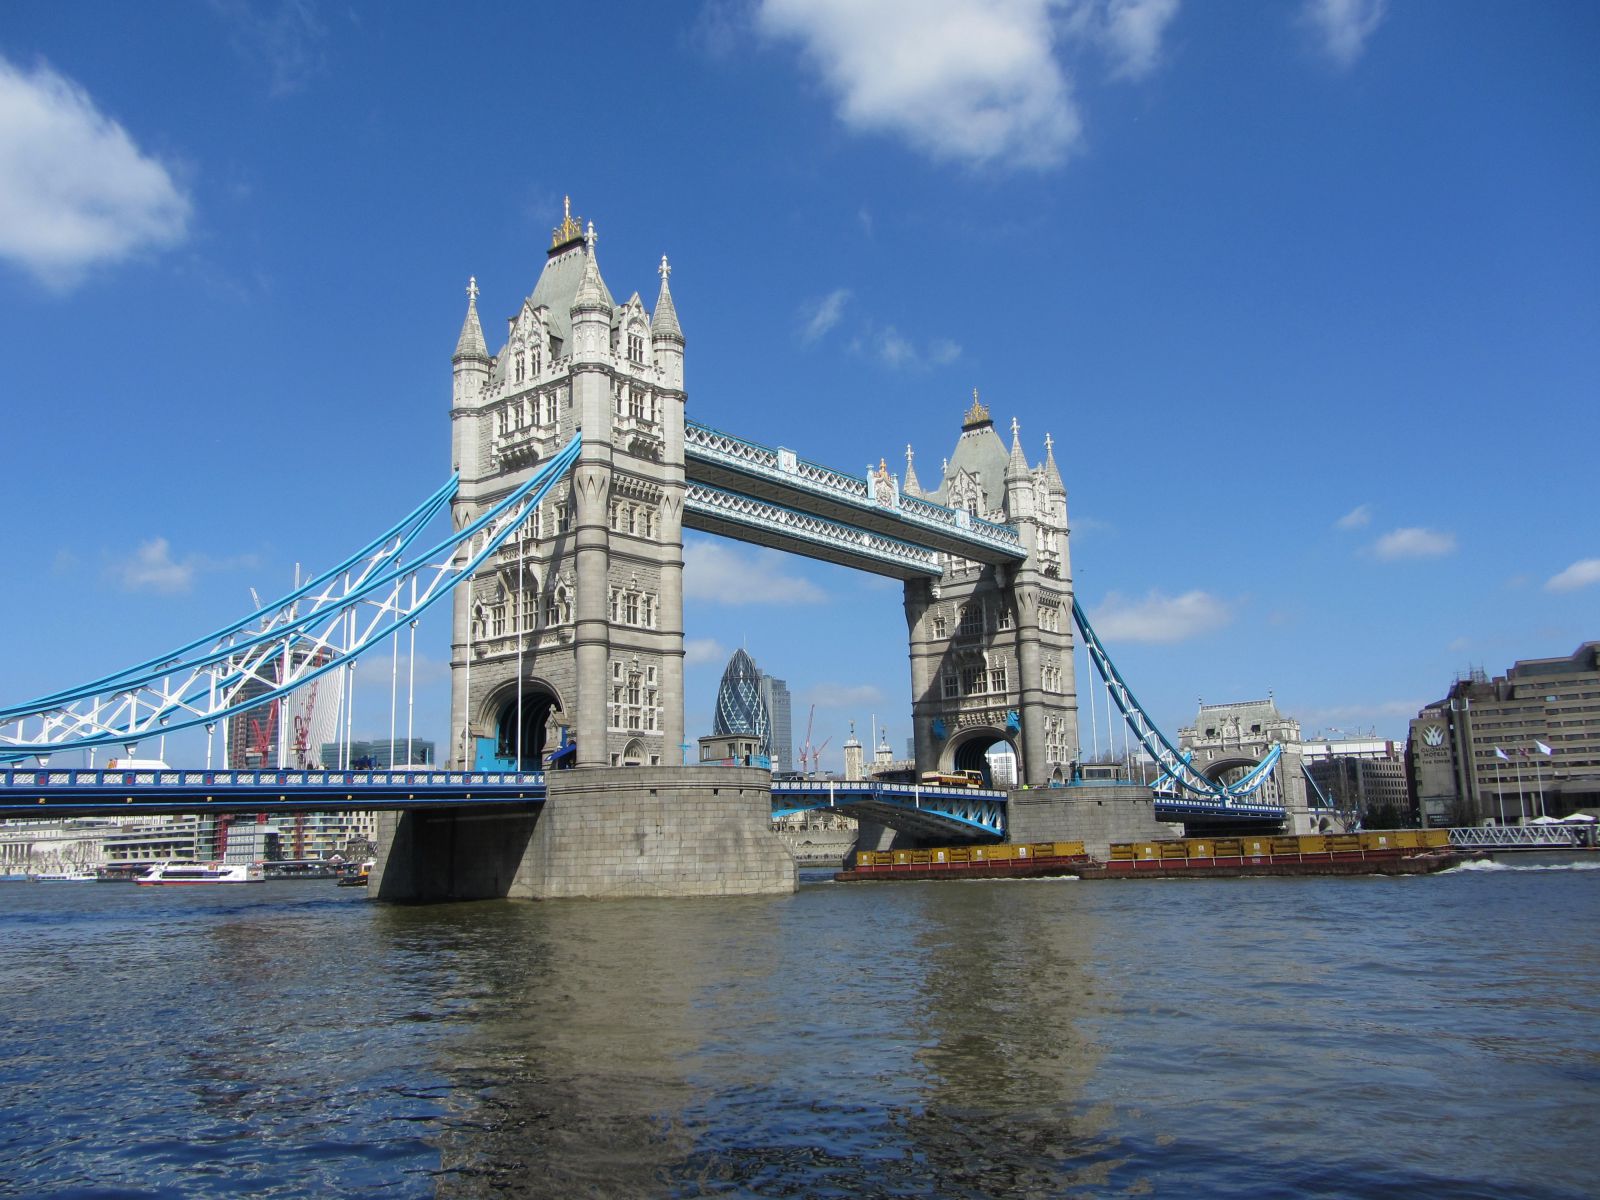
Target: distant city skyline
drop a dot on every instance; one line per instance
(1304, 295)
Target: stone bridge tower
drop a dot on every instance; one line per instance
(575, 627)
(992, 647)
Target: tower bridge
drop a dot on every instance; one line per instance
(576, 472)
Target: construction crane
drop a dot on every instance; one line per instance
(810, 754)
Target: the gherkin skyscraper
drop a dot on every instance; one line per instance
(740, 708)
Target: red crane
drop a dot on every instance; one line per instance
(810, 754)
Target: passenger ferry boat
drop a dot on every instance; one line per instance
(172, 873)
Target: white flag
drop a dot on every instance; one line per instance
(1543, 749)
(1499, 753)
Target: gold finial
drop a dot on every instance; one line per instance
(569, 230)
(976, 415)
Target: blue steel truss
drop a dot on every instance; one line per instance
(319, 627)
(968, 813)
(1186, 788)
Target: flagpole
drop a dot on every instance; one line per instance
(1538, 776)
(1522, 802)
(1500, 791)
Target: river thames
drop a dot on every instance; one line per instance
(1435, 1036)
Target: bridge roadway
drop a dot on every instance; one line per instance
(43, 792)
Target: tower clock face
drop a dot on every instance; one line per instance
(1433, 735)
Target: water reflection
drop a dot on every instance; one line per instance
(782, 1045)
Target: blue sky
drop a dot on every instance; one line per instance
(1308, 296)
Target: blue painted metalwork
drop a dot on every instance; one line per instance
(1199, 792)
(46, 792)
(967, 812)
(291, 647)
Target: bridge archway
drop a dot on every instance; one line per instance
(969, 751)
(541, 715)
(1230, 769)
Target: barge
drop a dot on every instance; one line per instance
(1378, 852)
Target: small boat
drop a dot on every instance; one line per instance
(357, 875)
(62, 876)
(173, 873)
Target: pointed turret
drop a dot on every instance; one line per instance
(666, 336)
(593, 295)
(470, 344)
(913, 486)
(665, 322)
(1017, 464)
(592, 308)
(1052, 477)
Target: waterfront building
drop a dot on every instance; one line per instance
(1511, 748)
(1227, 741)
(73, 844)
(780, 727)
(379, 754)
(1362, 777)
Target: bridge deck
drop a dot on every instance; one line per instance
(43, 793)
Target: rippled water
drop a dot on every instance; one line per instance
(1277, 1037)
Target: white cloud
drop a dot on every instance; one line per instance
(824, 315)
(284, 37)
(1357, 518)
(900, 353)
(1343, 26)
(1414, 543)
(1132, 34)
(972, 81)
(75, 191)
(151, 568)
(844, 695)
(722, 574)
(1583, 573)
(700, 651)
(1159, 618)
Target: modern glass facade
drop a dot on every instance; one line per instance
(740, 708)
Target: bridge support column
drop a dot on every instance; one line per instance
(462, 854)
(668, 832)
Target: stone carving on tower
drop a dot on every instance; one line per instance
(573, 631)
(992, 647)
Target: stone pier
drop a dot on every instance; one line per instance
(602, 832)
(1095, 814)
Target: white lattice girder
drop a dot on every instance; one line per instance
(723, 461)
(748, 519)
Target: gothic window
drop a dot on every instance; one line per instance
(563, 517)
(497, 620)
(635, 347)
(630, 608)
(997, 678)
(1050, 618)
(971, 623)
(549, 403)
(939, 624)
(500, 422)
(1002, 616)
(526, 601)
(950, 684)
(972, 680)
